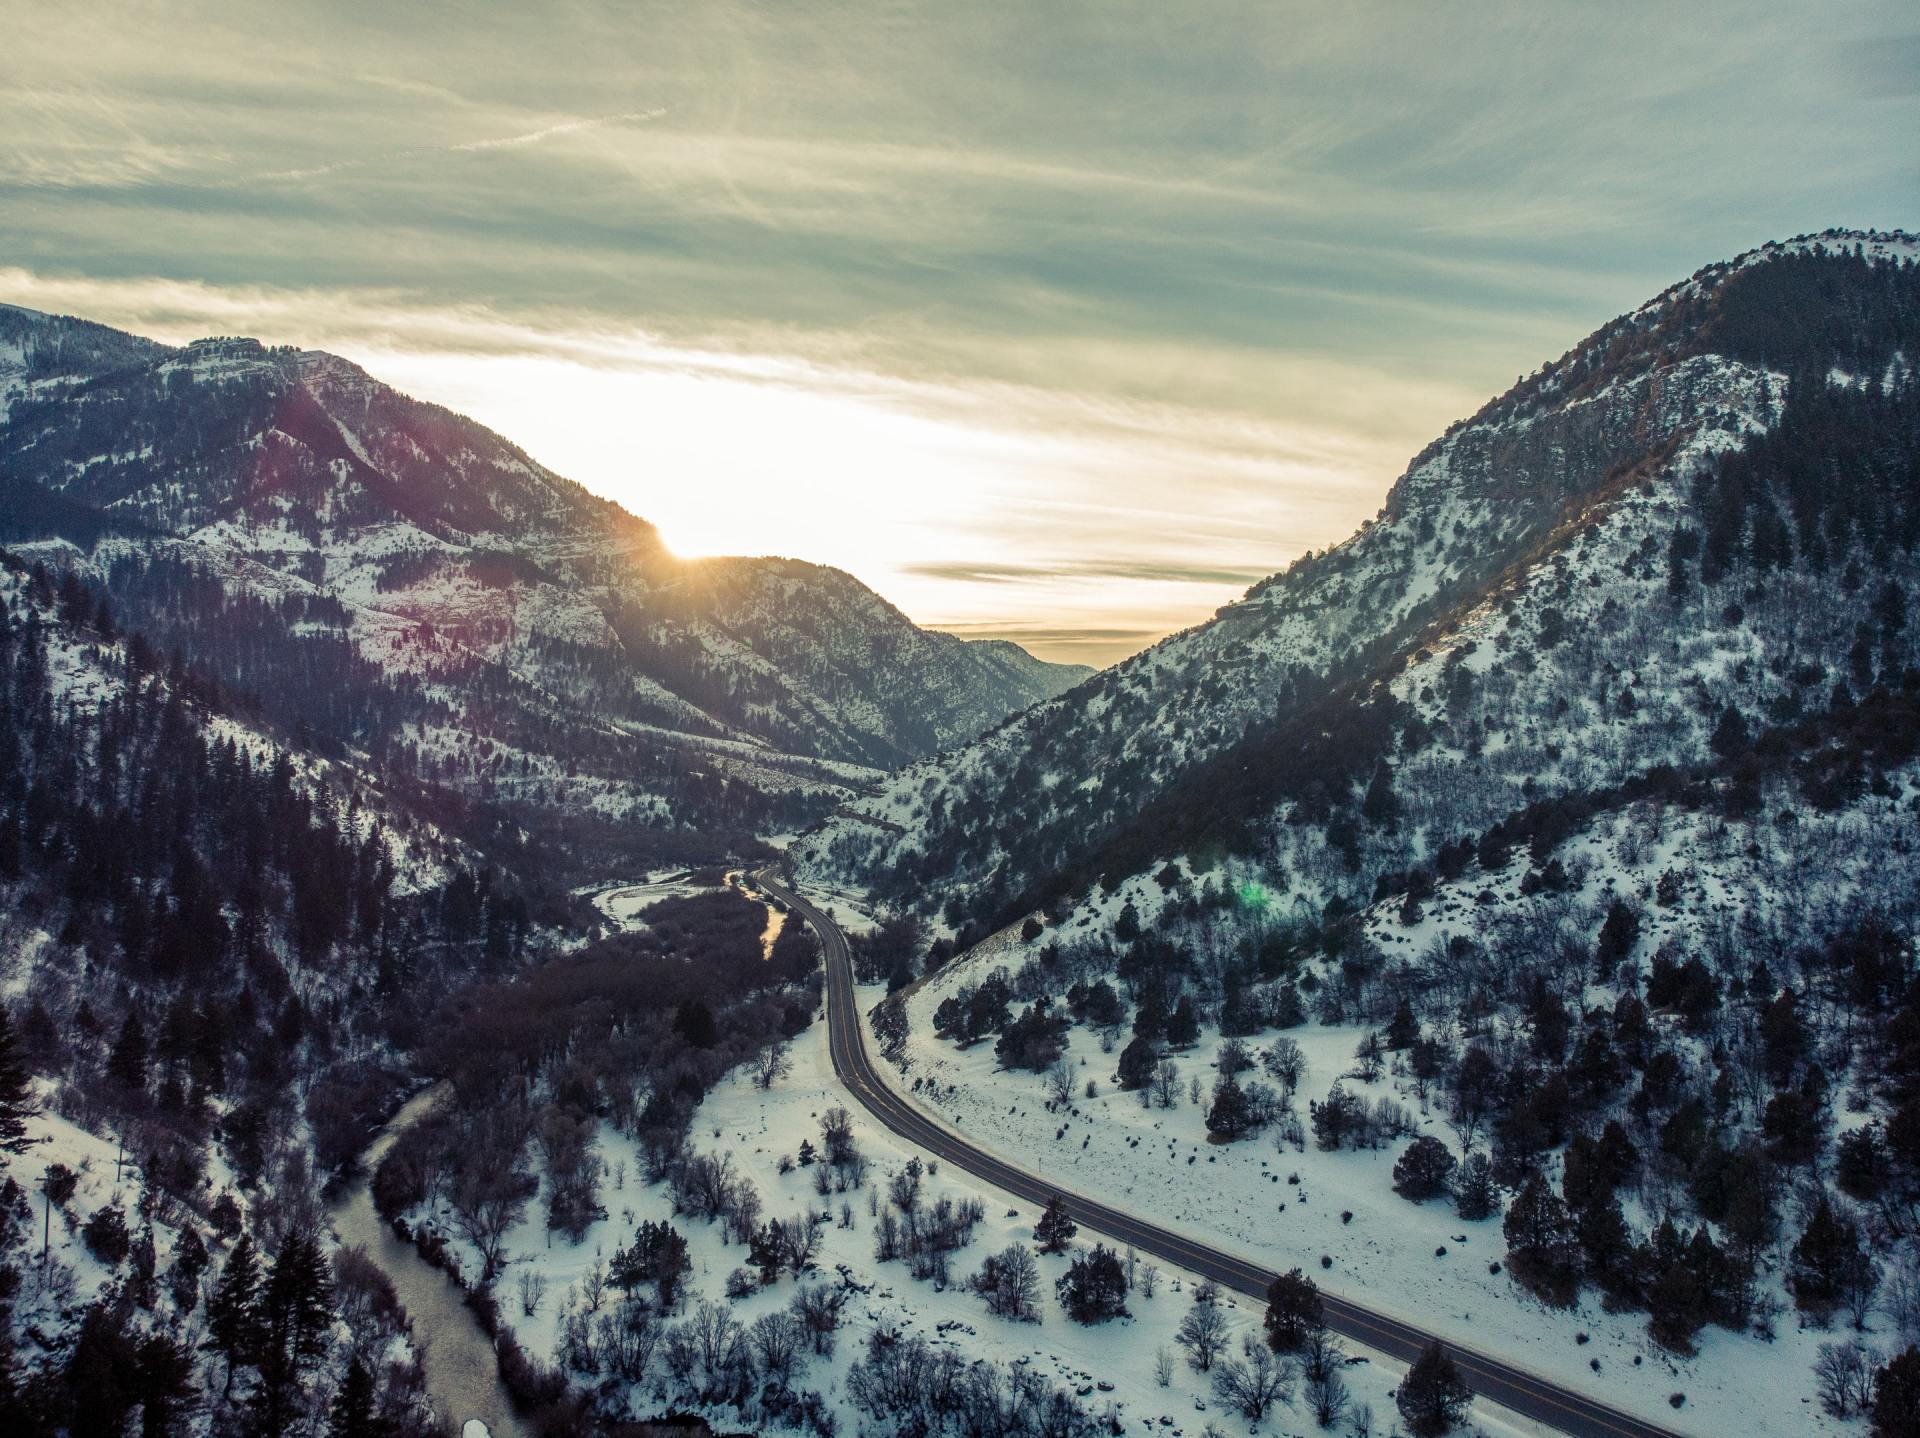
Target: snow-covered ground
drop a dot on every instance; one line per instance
(622, 903)
(1113, 1362)
(1284, 1207)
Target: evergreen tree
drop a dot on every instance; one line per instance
(127, 1064)
(295, 1313)
(1423, 1170)
(1137, 1062)
(352, 1414)
(694, 1022)
(1403, 1028)
(1474, 1194)
(1434, 1396)
(1380, 805)
(16, 1091)
(1896, 1397)
(1231, 1115)
(1055, 1229)
(165, 1384)
(1542, 1246)
(1094, 1288)
(1617, 937)
(1183, 1024)
(233, 1311)
(1294, 1310)
(1828, 1262)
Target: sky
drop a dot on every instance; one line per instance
(1062, 323)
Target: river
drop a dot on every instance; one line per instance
(462, 1377)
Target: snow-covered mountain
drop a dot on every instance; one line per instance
(284, 517)
(1688, 514)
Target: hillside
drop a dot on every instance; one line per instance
(1534, 873)
(417, 561)
(1651, 500)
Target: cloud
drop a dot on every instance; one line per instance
(966, 572)
(1101, 313)
(565, 127)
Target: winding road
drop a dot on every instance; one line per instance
(1521, 1392)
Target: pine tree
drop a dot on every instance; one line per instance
(165, 1383)
(1183, 1024)
(1896, 1397)
(233, 1312)
(1231, 1115)
(1380, 805)
(1423, 1170)
(1434, 1395)
(1828, 1262)
(1094, 1288)
(1055, 1229)
(1294, 1310)
(127, 1064)
(1137, 1063)
(16, 1091)
(1474, 1194)
(295, 1311)
(352, 1414)
(1542, 1247)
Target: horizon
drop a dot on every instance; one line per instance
(1061, 329)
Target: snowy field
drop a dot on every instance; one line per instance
(1283, 1207)
(1109, 1363)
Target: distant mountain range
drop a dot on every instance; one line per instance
(405, 582)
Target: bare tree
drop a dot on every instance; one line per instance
(719, 1351)
(1254, 1382)
(818, 1309)
(1010, 1282)
(776, 1340)
(1844, 1373)
(771, 1064)
(703, 1184)
(487, 1202)
(1321, 1360)
(796, 1241)
(1203, 1332)
(1285, 1061)
(533, 1289)
(836, 1134)
(1900, 1295)
(1166, 1083)
(1059, 1081)
(627, 1339)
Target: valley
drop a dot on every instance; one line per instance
(463, 962)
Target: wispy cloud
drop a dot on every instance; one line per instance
(565, 127)
(1083, 314)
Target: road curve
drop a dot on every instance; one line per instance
(1524, 1393)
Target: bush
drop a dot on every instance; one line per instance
(106, 1235)
(1094, 1288)
(1423, 1170)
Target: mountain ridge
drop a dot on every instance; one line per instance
(1651, 400)
(298, 477)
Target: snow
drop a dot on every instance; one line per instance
(757, 1128)
(1283, 1208)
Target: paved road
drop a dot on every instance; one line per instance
(1524, 1393)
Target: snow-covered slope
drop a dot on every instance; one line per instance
(257, 461)
(1551, 515)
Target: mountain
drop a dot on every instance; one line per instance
(410, 583)
(1537, 869)
(1685, 516)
